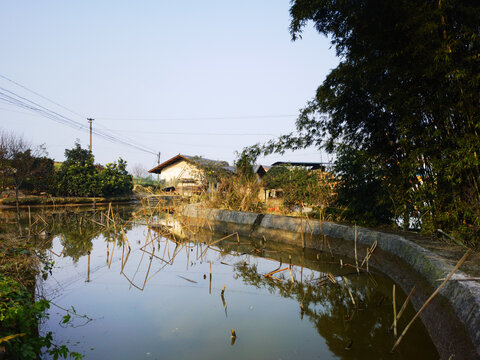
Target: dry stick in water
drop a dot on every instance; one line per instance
(275, 271)
(369, 254)
(301, 225)
(111, 256)
(464, 279)
(108, 250)
(145, 213)
(291, 276)
(216, 241)
(125, 240)
(404, 306)
(332, 278)
(394, 314)
(348, 289)
(356, 258)
(460, 262)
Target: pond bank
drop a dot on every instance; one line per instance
(453, 319)
(65, 201)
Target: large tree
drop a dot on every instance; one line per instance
(78, 175)
(405, 94)
(19, 161)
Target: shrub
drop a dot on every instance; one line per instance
(237, 193)
(78, 175)
(115, 180)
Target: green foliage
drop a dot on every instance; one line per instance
(211, 173)
(405, 95)
(115, 180)
(362, 190)
(238, 191)
(244, 165)
(42, 176)
(299, 185)
(77, 175)
(19, 319)
(19, 162)
(148, 181)
(275, 177)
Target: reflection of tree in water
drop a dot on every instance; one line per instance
(349, 331)
(78, 229)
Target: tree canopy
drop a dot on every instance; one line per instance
(405, 94)
(78, 176)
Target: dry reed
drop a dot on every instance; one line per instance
(460, 262)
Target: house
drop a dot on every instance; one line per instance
(260, 171)
(320, 168)
(187, 173)
(308, 165)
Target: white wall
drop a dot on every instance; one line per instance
(180, 170)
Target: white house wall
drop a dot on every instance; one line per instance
(180, 170)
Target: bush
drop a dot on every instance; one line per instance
(115, 180)
(20, 313)
(42, 176)
(78, 176)
(300, 186)
(237, 193)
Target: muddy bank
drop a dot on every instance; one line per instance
(453, 319)
(65, 201)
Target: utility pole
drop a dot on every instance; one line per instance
(90, 120)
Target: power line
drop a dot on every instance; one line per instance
(40, 95)
(18, 112)
(15, 99)
(200, 118)
(12, 98)
(191, 133)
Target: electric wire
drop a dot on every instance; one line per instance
(200, 118)
(40, 95)
(12, 98)
(191, 133)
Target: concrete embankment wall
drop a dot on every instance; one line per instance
(416, 263)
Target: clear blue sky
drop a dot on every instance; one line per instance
(194, 77)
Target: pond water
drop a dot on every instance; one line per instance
(158, 300)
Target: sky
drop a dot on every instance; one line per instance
(204, 78)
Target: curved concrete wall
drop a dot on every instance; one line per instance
(463, 296)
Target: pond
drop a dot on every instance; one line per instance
(163, 299)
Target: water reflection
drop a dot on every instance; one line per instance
(362, 326)
(197, 289)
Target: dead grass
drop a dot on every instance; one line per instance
(18, 260)
(236, 193)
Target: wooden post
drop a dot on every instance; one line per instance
(29, 221)
(301, 225)
(88, 271)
